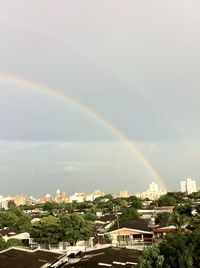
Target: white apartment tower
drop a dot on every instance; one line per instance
(188, 186)
(183, 186)
(153, 187)
(153, 193)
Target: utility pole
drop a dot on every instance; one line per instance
(116, 214)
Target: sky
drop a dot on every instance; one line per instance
(98, 95)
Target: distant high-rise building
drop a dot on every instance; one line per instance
(61, 196)
(183, 186)
(123, 193)
(30, 201)
(78, 197)
(97, 194)
(20, 200)
(188, 186)
(153, 187)
(45, 199)
(152, 193)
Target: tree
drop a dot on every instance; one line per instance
(67, 228)
(135, 202)
(178, 220)
(151, 258)
(195, 196)
(184, 209)
(85, 205)
(166, 201)
(129, 214)
(90, 217)
(9, 243)
(181, 250)
(23, 223)
(75, 228)
(51, 207)
(3, 244)
(161, 215)
(103, 198)
(47, 231)
(15, 220)
(8, 220)
(171, 199)
(194, 223)
(177, 251)
(11, 204)
(14, 243)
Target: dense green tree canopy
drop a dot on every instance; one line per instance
(129, 214)
(184, 209)
(171, 199)
(47, 231)
(194, 196)
(161, 215)
(11, 204)
(182, 250)
(69, 228)
(135, 202)
(177, 251)
(15, 220)
(10, 243)
(8, 220)
(151, 258)
(75, 228)
(108, 203)
(90, 217)
(180, 221)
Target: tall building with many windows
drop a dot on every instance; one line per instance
(153, 193)
(188, 186)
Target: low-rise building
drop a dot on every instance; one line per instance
(131, 233)
(45, 199)
(78, 197)
(97, 193)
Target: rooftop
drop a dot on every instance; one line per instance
(107, 257)
(19, 258)
(141, 224)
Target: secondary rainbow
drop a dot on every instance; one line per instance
(32, 85)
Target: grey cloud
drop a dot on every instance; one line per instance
(135, 63)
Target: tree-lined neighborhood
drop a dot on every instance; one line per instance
(167, 231)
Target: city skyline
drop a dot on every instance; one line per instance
(188, 186)
(101, 96)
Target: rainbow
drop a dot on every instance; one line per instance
(109, 69)
(55, 93)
